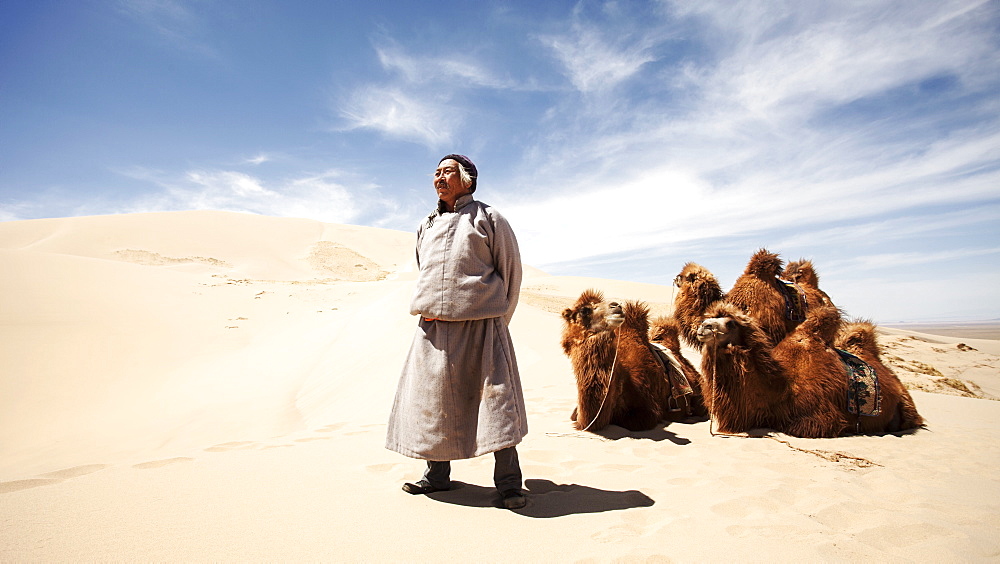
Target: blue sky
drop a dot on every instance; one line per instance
(621, 139)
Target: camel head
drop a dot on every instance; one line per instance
(697, 280)
(719, 332)
(593, 314)
(801, 272)
(725, 325)
(764, 264)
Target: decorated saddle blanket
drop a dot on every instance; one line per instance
(679, 385)
(795, 300)
(863, 394)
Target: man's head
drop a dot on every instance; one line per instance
(455, 176)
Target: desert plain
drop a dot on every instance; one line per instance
(213, 386)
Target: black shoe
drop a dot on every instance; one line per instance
(513, 499)
(421, 487)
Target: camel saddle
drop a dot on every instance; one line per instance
(863, 394)
(680, 388)
(795, 300)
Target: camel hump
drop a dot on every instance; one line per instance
(764, 264)
(825, 322)
(635, 309)
(636, 315)
(589, 296)
(859, 337)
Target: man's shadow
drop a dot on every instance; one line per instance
(547, 499)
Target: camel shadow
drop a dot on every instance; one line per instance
(657, 434)
(547, 499)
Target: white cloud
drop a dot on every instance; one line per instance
(459, 70)
(893, 229)
(398, 114)
(592, 62)
(789, 61)
(420, 100)
(321, 197)
(894, 260)
(745, 154)
(257, 160)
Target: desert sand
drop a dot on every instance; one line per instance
(210, 386)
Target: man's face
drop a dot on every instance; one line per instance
(448, 182)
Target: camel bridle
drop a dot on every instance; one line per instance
(611, 374)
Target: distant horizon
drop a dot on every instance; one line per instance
(621, 140)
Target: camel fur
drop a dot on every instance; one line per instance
(798, 387)
(760, 294)
(803, 273)
(665, 331)
(860, 339)
(608, 346)
(697, 289)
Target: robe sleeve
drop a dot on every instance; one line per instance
(507, 261)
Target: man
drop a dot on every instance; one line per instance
(459, 395)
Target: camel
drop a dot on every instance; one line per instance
(802, 273)
(697, 289)
(618, 379)
(665, 331)
(859, 338)
(799, 387)
(777, 307)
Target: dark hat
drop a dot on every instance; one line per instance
(467, 165)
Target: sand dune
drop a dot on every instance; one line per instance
(215, 386)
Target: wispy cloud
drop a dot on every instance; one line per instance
(321, 196)
(174, 21)
(423, 98)
(596, 58)
(400, 115)
(258, 159)
(459, 68)
(748, 156)
(779, 64)
(885, 261)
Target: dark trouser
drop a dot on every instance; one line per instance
(506, 473)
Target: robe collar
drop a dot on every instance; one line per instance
(460, 203)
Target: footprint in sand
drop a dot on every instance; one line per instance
(366, 429)
(632, 527)
(384, 468)
(620, 467)
(50, 478)
(746, 506)
(16, 485)
(75, 471)
(161, 463)
(901, 535)
(231, 446)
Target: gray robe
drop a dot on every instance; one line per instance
(459, 395)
